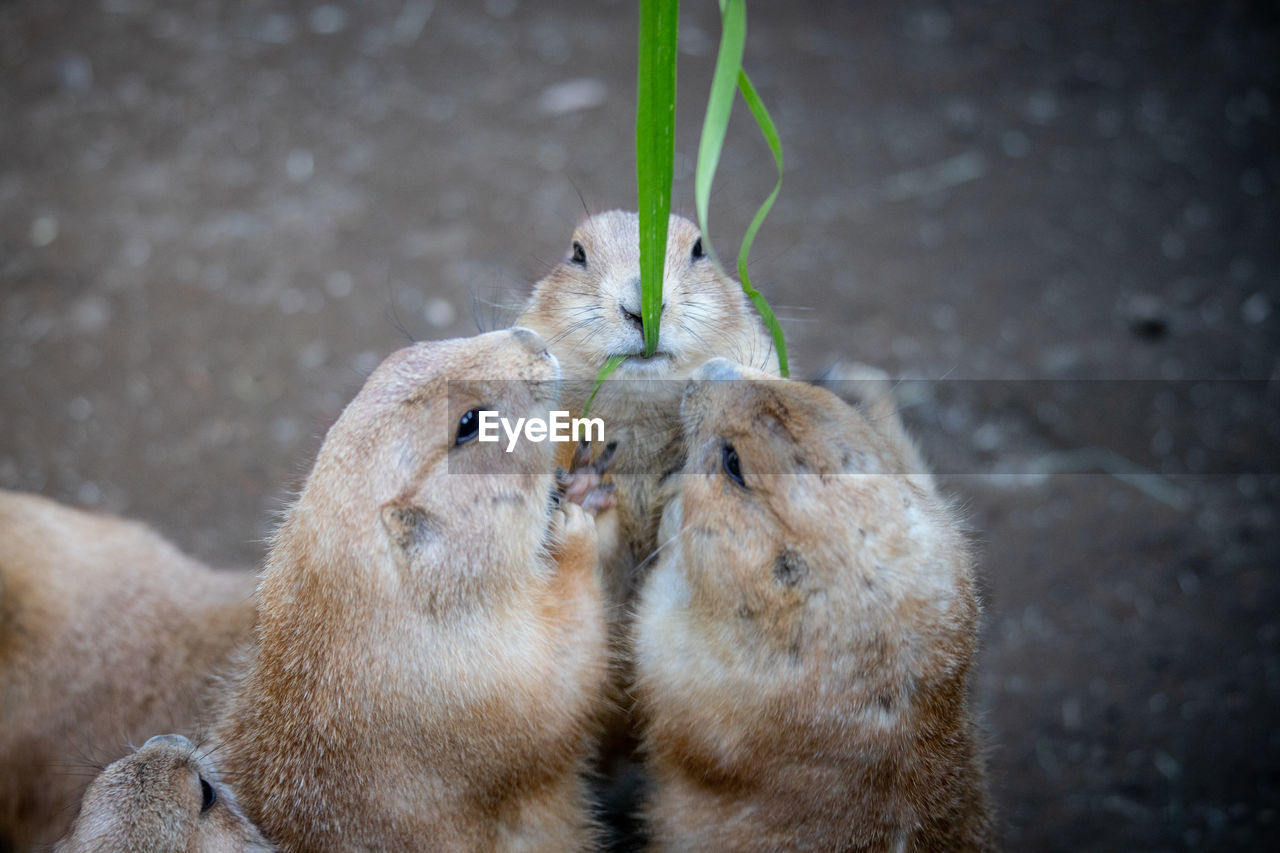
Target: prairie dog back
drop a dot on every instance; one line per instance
(108, 633)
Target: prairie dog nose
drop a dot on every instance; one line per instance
(630, 304)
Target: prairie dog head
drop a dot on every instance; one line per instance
(403, 478)
(165, 797)
(588, 307)
(808, 544)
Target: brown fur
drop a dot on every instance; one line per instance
(108, 634)
(425, 673)
(581, 311)
(803, 645)
(163, 798)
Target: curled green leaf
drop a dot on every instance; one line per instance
(770, 132)
(729, 75)
(610, 365)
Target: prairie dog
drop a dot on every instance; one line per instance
(165, 797)
(108, 634)
(802, 646)
(430, 650)
(588, 309)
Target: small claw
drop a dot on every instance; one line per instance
(581, 456)
(605, 461)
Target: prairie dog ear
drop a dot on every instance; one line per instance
(861, 385)
(409, 526)
(720, 368)
(717, 368)
(870, 390)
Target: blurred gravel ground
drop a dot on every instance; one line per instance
(214, 216)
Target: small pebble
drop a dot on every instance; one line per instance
(291, 300)
(439, 312)
(284, 430)
(1173, 246)
(1015, 144)
(572, 96)
(929, 25)
(1256, 309)
(411, 21)
(277, 29)
(339, 284)
(1253, 182)
(1167, 765)
(91, 314)
(1042, 108)
(500, 8)
(327, 20)
(79, 409)
(44, 230)
(1072, 718)
(299, 164)
(1147, 316)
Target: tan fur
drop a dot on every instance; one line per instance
(108, 634)
(581, 311)
(803, 645)
(426, 672)
(165, 797)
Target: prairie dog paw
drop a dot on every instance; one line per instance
(573, 531)
(583, 484)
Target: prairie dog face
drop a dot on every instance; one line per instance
(164, 797)
(805, 534)
(588, 307)
(403, 476)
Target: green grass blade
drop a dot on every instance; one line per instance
(729, 75)
(655, 152)
(770, 132)
(733, 39)
(610, 365)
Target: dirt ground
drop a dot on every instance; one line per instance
(215, 218)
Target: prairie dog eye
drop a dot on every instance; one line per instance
(732, 465)
(697, 253)
(579, 254)
(207, 795)
(468, 427)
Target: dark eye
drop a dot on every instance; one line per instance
(207, 796)
(698, 254)
(579, 254)
(732, 467)
(468, 427)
